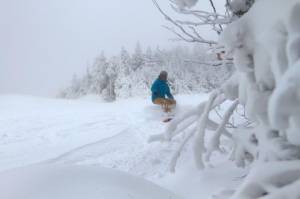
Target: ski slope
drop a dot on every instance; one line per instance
(90, 132)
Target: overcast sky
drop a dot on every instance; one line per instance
(43, 42)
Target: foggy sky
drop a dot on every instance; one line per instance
(44, 42)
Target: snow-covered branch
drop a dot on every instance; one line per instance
(214, 144)
(272, 181)
(195, 123)
(199, 146)
(266, 84)
(181, 31)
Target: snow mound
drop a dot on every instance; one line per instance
(62, 182)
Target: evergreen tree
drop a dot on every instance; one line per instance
(137, 57)
(99, 77)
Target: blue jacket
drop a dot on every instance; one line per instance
(160, 89)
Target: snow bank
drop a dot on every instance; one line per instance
(62, 182)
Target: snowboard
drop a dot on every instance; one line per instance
(167, 119)
(169, 116)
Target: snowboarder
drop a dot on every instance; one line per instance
(160, 89)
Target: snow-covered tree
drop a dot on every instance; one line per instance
(74, 90)
(111, 74)
(149, 55)
(265, 50)
(99, 76)
(115, 78)
(86, 83)
(122, 84)
(137, 57)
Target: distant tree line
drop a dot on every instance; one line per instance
(191, 70)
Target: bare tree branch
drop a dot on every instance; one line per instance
(189, 37)
(215, 11)
(212, 63)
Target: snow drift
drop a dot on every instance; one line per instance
(62, 182)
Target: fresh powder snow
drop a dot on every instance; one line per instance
(37, 132)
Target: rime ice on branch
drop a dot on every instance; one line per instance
(265, 46)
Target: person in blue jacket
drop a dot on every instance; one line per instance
(161, 94)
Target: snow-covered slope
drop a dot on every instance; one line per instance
(113, 135)
(36, 129)
(48, 182)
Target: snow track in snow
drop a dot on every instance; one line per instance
(127, 151)
(37, 129)
(68, 155)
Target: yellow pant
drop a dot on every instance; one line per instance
(166, 104)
